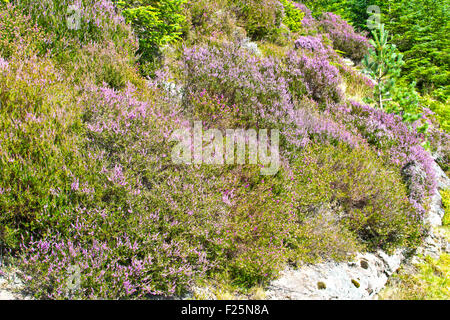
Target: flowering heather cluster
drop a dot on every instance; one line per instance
(318, 128)
(318, 48)
(127, 240)
(261, 90)
(193, 203)
(107, 259)
(320, 78)
(255, 85)
(3, 64)
(98, 20)
(308, 21)
(260, 18)
(312, 43)
(20, 36)
(344, 36)
(394, 139)
(98, 13)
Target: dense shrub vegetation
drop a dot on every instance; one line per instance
(421, 35)
(91, 203)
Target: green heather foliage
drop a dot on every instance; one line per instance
(97, 23)
(259, 18)
(209, 17)
(91, 203)
(374, 208)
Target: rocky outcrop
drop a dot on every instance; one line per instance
(11, 287)
(361, 278)
(436, 212)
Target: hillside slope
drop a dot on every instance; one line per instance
(93, 203)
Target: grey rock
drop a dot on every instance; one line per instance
(443, 182)
(348, 62)
(175, 91)
(436, 212)
(11, 288)
(354, 280)
(251, 47)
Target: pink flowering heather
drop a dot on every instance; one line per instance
(312, 43)
(255, 85)
(310, 127)
(321, 79)
(343, 36)
(308, 21)
(126, 263)
(261, 90)
(3, 64)
(98, 20)
(395, 140)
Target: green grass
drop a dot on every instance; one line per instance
(431, 278)
(431, 282)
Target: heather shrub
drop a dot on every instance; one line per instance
(99, 64)
(311, 43)
(259, 18)
(106, 254)
(344, 37)
(319, 78)
(355, 84)
(398, 143)
(68, 27)
(263, 89)
(39, 142)
(18, 35)
(211, 18)
(370, 199)
(308, 22)
(255, 85)
(219, 220)
(115, 228)
(269, 49)
(213, 110)
(261, 224)
(41, 127)
(310, 125)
